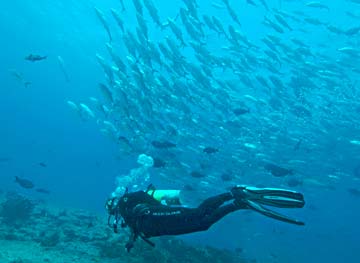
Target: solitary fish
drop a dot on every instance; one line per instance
(106, 93)
(226, 177)
(197, 174)
(123, 139)
(264, 4)
(356, 171)
(85, 112)
(251, 2)
(293, 182)
(122, 5)
(20, 78)
(210, 150)
(42, 191)
(42, 164)
(188, 187)
(352, 31)
(297, 145)
(317, 5)
(240, 111)
(158, 163)
(278, 171)
(34, 58)
(24, 182)
(354, 192)
(63, 68)
(217, 5)
(104, 23)
(4, 159)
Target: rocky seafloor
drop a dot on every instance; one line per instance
(34, 232)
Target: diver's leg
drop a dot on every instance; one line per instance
(215, 201)
(217, 214)
(165, 220)
(246, 197)
(213, 209)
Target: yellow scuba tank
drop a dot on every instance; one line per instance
(170, 197)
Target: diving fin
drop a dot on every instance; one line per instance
(267, 212)
(254, 198)
(275, 197)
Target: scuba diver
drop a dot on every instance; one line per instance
(145, 213)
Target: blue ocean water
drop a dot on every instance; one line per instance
(38, 126)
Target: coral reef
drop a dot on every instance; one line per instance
(58, 235)
(16, 209)
(20, 261)
(49, 239)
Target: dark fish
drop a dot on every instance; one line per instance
(43, 164)
(205, 165)
(4, 159)
(125, 140)
(354, 192)
(264, 4)
(278, 171)
(104, 23)
(210, 150)
(239, 250)
(158, 163)
(250, 2)
(197, 174)
(356, 171)
(27, 84)
(24, 182)
(240, 111)
(274, 256)
(106, 93)
(293, 182)
(34, 58)
(122, 5)
(42, 191)
(297, 145)
(163, 144)
(227, 177)
(188, 187)
(63, 68)
(352, 31)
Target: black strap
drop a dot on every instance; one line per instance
(130, 244)
(115, 226)
(147, 240)
(133, 236)
(116, 222)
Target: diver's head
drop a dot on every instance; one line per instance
(115, 206)
(112, 205)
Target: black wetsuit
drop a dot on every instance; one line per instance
(147, 217)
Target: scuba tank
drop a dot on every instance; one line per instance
(170, 197)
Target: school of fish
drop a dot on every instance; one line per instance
(213, 103)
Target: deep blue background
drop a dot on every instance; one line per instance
(38, 126)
